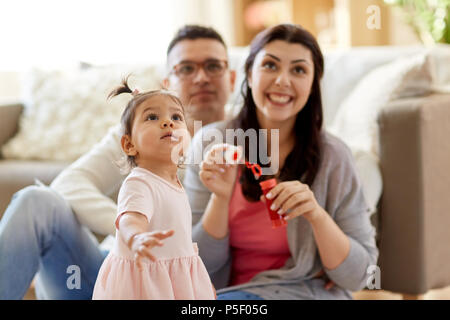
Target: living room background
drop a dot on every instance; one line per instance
(51, 33)
(385, 93)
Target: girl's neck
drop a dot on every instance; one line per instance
(165, 170)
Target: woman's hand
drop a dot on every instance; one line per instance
(217, 175)
(142, 243)
(293, 199)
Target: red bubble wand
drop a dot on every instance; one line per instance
(256, 169)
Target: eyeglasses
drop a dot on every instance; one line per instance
(213, 68)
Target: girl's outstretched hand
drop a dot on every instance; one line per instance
(142, 243)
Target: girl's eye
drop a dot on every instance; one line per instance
(269, 65)
(298, 70)
(152, 117)
(177, 117)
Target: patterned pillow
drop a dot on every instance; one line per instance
(66, 111)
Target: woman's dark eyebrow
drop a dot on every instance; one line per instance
(293, 61)
(300, 60)
(272, 56)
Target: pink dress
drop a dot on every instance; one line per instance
(179, 272)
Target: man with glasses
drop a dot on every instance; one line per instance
(48, 233)
(198, 71)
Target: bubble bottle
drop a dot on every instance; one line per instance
(276, 219)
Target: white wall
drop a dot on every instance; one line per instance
(400, 32)
(53, 33)
(9, 87)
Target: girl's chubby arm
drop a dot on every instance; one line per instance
(133, 228)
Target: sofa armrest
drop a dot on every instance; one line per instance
(414, 207)
(9, 121)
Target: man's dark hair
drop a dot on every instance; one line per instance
(193, 32)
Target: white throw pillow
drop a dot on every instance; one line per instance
(369, 172)
(441, 68)
(344, 69)
(356, 119)
(67, 111)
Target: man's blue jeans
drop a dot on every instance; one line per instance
(40, 234)
(238, 295)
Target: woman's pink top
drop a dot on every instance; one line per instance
(255, 245)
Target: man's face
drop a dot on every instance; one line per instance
(203, 94)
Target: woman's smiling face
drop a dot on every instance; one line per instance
(281, 78)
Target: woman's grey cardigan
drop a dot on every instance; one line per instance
(338, 190)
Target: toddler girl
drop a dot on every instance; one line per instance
(152, 207)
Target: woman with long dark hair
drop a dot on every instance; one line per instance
(328, 243)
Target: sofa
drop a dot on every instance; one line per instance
(16, 174)
(391, 105)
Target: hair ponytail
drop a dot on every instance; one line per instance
(123, 88)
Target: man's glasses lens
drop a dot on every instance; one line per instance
(211, 68)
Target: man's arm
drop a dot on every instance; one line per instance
(214, 252)
(88, 182)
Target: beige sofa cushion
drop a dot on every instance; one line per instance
(15, 175)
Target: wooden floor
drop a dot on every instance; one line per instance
(440, 294)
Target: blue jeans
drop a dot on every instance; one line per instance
(238, 295)
(39, 234)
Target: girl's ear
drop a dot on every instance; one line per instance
(165, 84)
(128, 146)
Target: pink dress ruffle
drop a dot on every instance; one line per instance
(183, 278)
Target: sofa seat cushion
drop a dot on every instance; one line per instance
(17, 174)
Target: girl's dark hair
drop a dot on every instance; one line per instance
(304, 160)
(129, 113)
